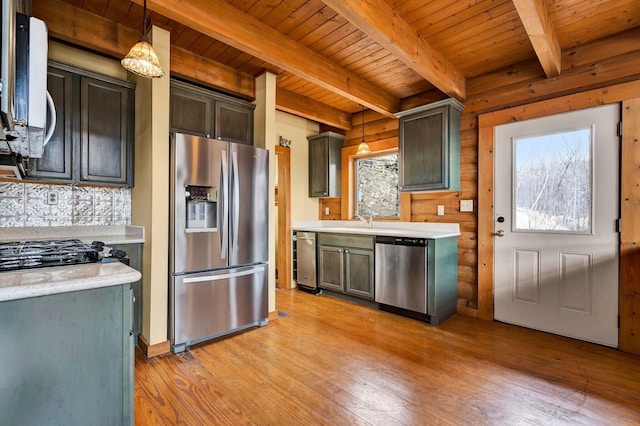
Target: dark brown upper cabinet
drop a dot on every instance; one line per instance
(201, 112)
(58, 155)
(429, 147)
(93, 139)
(325, 164)
(105, 139)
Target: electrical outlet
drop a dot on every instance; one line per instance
(52, 197)
(440, 210)
(466, 205)
(326, 211)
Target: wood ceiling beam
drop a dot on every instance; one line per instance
(82, 28)
(220, 20)
(192, 67)
(85, 29)
(378, 20)
(534, 15)
(311, 109)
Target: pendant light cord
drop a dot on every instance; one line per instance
(362, 122)
(144, 20)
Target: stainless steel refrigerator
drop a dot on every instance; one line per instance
(219, 239)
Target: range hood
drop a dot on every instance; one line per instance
(24, 100)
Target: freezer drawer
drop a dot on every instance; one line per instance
(211, 304)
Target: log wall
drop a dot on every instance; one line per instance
(591, 68)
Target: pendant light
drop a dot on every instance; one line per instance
(142, 59)
(363, 148)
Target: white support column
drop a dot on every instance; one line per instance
(150, 195)
(265, 137)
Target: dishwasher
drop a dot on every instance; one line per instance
(401, 275)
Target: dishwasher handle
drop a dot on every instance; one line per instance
(403, 241)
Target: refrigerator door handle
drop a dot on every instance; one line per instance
(225, 276)
(224, 237)
(236, 201)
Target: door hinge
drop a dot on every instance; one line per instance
(619, 225)
(618, 321)
(620, 128)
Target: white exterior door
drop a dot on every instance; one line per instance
(556, 210)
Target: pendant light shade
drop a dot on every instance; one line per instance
(142, 59)
(363, 148)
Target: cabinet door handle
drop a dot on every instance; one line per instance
(339, 250)
(346, 251)
(85, 178)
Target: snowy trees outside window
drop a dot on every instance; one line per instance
(376, 186)
(552, 182)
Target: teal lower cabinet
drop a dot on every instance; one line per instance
(346, 264)
(134, 253)
(67, 358)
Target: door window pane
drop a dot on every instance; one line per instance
(376, 186)
(552, 182)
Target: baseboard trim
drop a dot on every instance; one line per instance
(273, 315)
(470, 312)
(150, 351)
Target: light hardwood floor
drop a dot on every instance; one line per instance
(334, 362)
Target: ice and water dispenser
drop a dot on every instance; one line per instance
(202, 206)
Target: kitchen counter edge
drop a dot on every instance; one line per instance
(116, 234)
(434, 234)
(25, 284)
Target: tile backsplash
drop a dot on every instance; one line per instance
(33, 204)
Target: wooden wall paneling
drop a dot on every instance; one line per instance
(630, 229)
(284, 261)
(335, 208)
(624, 68)
(485, 221)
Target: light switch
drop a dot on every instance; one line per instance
(440, 210)
(466, 205)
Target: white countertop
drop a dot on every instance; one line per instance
(117, 234)
(396, 229)
(63, 279)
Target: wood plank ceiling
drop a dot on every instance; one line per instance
(332, 56)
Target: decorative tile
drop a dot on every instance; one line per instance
(82, 208)
(103, 220)
(103, 208)
(35, 191)
(61, 221)
(11, 189)
(27, 204)
(119, 195)
(84, 193)
(103, 195)
(10, 206)
(11, 221)
(83, 220)
(120, 220)
(62, 209)
(36, 221)
(65, 195)
(37, 208)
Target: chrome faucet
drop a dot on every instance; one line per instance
(364, 220)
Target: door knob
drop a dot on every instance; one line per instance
(499, 233)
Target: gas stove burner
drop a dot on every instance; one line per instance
(37, 254)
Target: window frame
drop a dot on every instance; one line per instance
(354, 197)
(348, 181)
